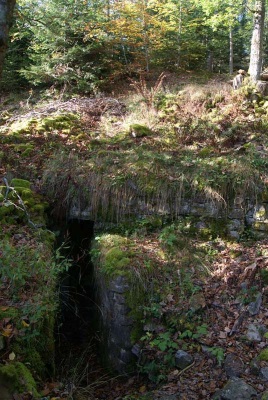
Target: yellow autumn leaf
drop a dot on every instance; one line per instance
(142, 389)
(25, 324)
(7, 331)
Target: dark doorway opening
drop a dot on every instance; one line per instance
(77, 318)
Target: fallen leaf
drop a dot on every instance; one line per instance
(45, 392)
(12, 356)
(142, 389)
(7, 331)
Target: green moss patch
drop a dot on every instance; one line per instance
(18, 379)
(263, 356)
(64, 122)
(21, 203)
(139, 131)
(22, 183)
(114, 254)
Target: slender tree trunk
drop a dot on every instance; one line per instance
(231, 52)
(256, 41)
(145, 36)
(6, 13)
(210, 61)
(179, 33)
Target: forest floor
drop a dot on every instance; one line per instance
(237, 271)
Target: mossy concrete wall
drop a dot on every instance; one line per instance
(233, 218)
(116, 325)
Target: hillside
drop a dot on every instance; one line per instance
(176, 166)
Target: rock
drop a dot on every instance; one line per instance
(253, 333)
(136, 350)
(262, 86)
(264, 373)
(244, 285)
(233, 366)
(254, 307)
(183, 359)
(235, 389)
(234, 234)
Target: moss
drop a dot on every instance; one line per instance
(22, 183)
(30, 202)
(139, 131)
(264, 396)
(206, 151)
(64, 122)
(25, 193)
(17, 377)
(115, 262)
(263, 356)
(28, 355)
(35, 362)
(6, 210)
(40, 207)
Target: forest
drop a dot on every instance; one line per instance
(85, 46)
(133, 200)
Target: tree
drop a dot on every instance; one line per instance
(225, 18)
(257, 41)
(6, 14)
(67, 48)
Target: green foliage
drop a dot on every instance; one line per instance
(169, 237)
(91, 43)
(165, 346)
(31, 268)
(217, 352)
(26, 263)
(164, 342)
(200, 331)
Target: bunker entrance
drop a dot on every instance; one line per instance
(78, 312)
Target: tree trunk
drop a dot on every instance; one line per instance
(231, 52)
(179, 34)
(256, 41)
(6, 13)
(210, 61)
